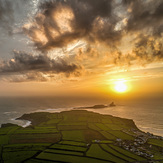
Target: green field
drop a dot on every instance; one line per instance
(68, 158)
(19, 147)
(127, 153)
(37, 130)
(112, 151)
(51, 122)
(156, 142)
(18, 156)
(115, 127)
(8, 130)
(34, 138)
(68, 147)
(103, 141)
(122, 135)
(93, 126)
(76, 136)
(102, 126)
(96, 151)
(4, 139)
(66, 152)
(75, 143)
(108, 135)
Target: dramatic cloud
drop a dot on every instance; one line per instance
(145, 18)
(29, 77)
(58, 23)
(25, 63)
(144, 14)
(148, 48)
(91, 33)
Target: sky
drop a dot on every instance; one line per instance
(81, 47)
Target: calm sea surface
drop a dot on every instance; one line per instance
(148, 115)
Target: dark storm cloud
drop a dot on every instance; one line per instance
(23, 62)
(85, 11)
(144, 14)
(148, 48)
(91, 20)
(158, 31)
(145, 18)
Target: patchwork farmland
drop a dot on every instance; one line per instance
(77, 136)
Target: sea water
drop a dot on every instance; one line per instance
(147, 115)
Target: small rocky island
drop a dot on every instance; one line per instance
(97, 106)
(77, 136)
(93, 107)
(112, 104)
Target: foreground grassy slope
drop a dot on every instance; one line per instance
(77, 136)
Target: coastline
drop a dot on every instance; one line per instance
(106, 110)
(22, 123)
(26, 123)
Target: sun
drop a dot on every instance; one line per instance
(120, 86)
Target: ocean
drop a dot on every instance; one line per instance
(147, 115)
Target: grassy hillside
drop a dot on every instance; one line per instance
(77, 136)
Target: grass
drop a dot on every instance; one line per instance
(93, 126)
(75, 143)
(69, 147)
(19, 147)
(8, 130)
(114, 126)
(72, 123)
(37, 130)
(1, 150)
(103, 141)
(102, 126)
(35, 138)
(71, 127)
(127, 153)
(76, 135)
(64, 152)
(96, 152)
(71, 136)
(110, 150)
(156, 142)
(16, 157)
(117, 120)
(107, 120)
(92, 135)
(51, 122)
(94, 119)
(68, 158)
(37, 161)
(158, 156)
(4, 139)
(122, 135)
(108, 135)
(83, 118)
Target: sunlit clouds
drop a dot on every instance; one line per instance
(64, 17)
(89, 43)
